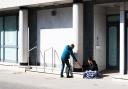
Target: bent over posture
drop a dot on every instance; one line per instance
(68, 50)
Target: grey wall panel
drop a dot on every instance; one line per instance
(55, 18)
(88, 30)
(32, 35)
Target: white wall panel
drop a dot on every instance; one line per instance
(54, 31)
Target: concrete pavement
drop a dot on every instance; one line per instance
(13, 77)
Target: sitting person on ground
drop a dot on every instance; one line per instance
(91, 65)
(91, 69)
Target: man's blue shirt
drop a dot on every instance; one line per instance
(67, 52)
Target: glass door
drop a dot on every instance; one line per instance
(113, 43)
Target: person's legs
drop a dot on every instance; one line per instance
(62, 68)
(69, 69)
(70, 72)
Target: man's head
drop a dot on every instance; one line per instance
(90, 60)
(72, 46)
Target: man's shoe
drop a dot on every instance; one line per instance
(62, 76)
(69, 76)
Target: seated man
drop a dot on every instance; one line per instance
(91, 65)
(91, 69)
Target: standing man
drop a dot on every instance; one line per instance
(68, 50)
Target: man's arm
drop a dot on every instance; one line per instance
(79, 63)
(72, 54)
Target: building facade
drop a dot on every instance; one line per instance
(35, 32)
(110, 33)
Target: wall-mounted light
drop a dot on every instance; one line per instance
(53, 12)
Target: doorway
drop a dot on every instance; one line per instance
(112, 42)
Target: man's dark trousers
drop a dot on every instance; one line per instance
(63, 65)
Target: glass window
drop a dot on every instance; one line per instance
(112, 46)
(113, 18)
(10, 30)
(10, 54)
(1, 30)
(8, 38)
(1, 54)
(127, 16)
(1, 38)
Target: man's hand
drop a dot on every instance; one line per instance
(79, 64)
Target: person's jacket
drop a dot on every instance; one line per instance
(67, 52)
(92, 67)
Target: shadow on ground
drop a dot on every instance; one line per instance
(107, 73)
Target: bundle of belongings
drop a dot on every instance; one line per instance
(91, 74)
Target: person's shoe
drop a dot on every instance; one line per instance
(62, 76)
(69, 76)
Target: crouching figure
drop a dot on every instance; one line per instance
(91, 69)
